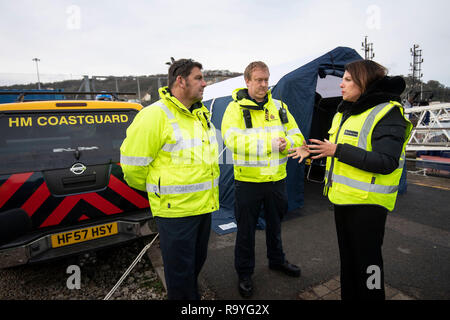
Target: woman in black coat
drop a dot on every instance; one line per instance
(360, 224)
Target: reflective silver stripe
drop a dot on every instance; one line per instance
(170, 116)
(166, 110)
(401, 161)
(135, 161)
(277, 103)
(177, 131)
(365, 130)
(291, 141)
(274, 128)
(182, 145)
(260, 148)
(182, 189)
(279, 106)
(176, 128)
(232, 130)
(260, 163)
(243, 163)
(274, 163)
(187, 188)
(365, 186)
(212, 139)
(293, 131)
(151, 188)
(252, 131)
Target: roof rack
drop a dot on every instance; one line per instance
(22, 94)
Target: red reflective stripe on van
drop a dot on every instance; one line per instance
(36, 200)
(10, 186)
(69, 202)
(128, 193)
(61, 211)
(100, 203)
(83, 217)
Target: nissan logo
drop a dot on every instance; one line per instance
(78, 168)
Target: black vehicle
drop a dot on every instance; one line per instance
(61, 185)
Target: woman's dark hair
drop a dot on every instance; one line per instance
(365, 72)
(183, 68)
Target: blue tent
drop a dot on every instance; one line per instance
(307, 88)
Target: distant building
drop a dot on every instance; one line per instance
(211, 76)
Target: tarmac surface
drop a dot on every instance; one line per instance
(416, 250)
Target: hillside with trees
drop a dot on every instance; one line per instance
(432, 90)
(146, 86)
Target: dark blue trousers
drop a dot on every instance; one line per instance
(184, 245)
(249, 199)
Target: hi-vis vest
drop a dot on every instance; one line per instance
(253, 158)
(173, 155)
(348, 185)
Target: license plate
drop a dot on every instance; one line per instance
(86, 234)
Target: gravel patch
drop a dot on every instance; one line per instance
(99, 272)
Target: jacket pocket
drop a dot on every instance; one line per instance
(350, 191)
(349, 137)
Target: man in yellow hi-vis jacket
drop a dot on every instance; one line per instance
(259, 130)
(171, 152)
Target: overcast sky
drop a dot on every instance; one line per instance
(137, 37)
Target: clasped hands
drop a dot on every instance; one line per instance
(319, 148)
(279, 144)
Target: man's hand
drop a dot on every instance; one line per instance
(299, 152)
(278, 144)
(283, 144)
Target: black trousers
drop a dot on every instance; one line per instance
(249, 198)
(360, 232)
(184, 246)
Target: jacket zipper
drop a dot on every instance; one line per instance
(197, 118)
(159, 188)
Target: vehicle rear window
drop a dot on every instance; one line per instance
(53, 140)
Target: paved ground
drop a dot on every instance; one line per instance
(331, 290)
(416, 249)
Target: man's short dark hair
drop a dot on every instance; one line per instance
(183, 68)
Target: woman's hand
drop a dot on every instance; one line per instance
(322, 148)
(299, 152)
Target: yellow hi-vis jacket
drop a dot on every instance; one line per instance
(172, 153)
(253, 157)
(348, 185)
